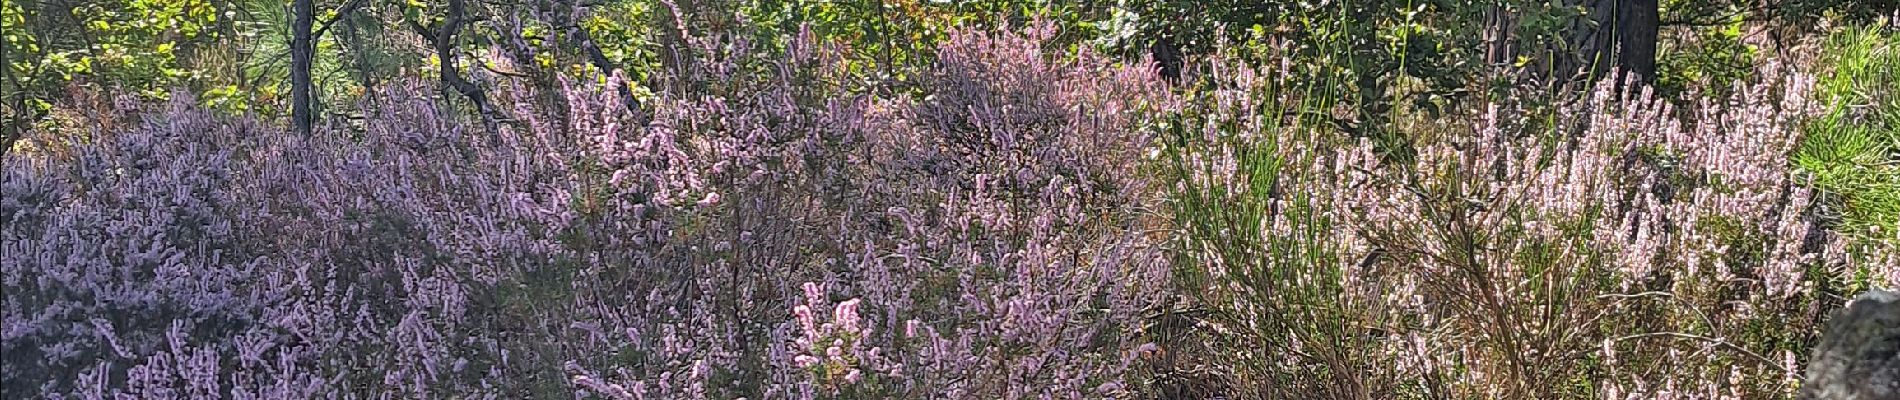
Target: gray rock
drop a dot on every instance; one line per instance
(1859, 357)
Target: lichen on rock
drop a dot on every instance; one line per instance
(1859, 356)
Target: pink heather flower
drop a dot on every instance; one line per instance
(1147, 349)
(1791, 367)
(805, 319)
(846, 315)
(814, 294)
(1022, 159)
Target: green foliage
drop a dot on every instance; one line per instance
(138, 45)
(1197, 27)
(1852, 151)
(889, 41)
(1804, 12)
(1708, 53)
(1386, 58)
(21, 75)
(625, 31)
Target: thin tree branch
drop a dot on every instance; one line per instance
(580, 37)
(491, 68)
(443, 39)
(341, 13)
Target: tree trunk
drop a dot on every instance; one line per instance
(1619, 33)
(302, 49)
(1637, 24)
(1499, 36)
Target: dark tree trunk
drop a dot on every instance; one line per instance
(1500, 46)
(1167, 59)
(302, 49)
(1612, 33)
(1637, 24)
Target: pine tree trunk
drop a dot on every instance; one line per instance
(1499, 36)
(1637, 24)
(1612, 33)
(302, 49)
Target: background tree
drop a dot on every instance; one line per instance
(442, 38)
(14, 111)
(1611, 33)
(302, 49)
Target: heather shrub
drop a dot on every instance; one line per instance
(1030, 220)
(199, 256)
(983, 239)
(1614, 246)
(1017, 238)
(1224, 156)
(982, 234)
(121, 255)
